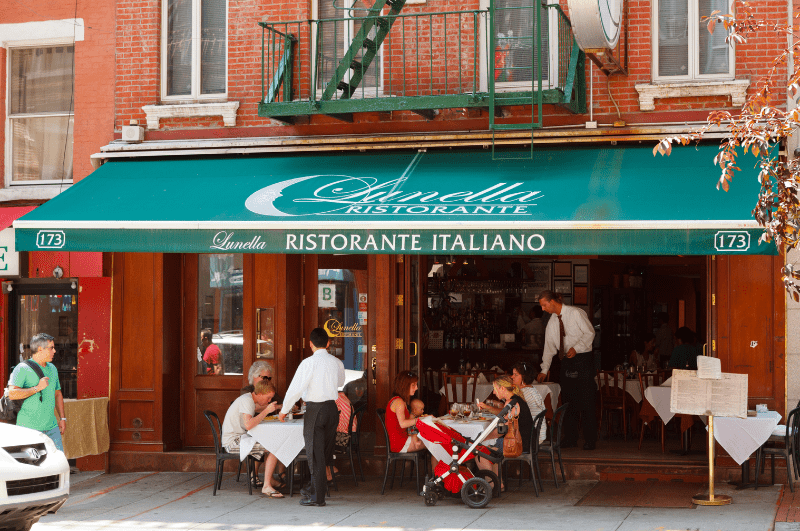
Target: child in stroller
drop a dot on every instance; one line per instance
(456, 471)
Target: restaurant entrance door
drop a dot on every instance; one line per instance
(749, 325)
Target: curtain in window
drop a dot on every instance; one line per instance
(673, 38)
(41, 148)
(515, 49)
(179, 48)
(41, 80)
(213, 47)
(714, 51)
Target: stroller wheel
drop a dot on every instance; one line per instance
(491, 478)
(476, 493)
(430, 499)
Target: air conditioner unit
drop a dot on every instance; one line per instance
(132, 133)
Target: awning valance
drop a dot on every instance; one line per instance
(618, 200)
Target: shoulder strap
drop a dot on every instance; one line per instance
(36, 368)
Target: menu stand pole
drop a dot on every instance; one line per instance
(710, 498)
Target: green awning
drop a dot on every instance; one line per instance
(578, 201)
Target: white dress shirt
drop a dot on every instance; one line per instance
(579, 334)
(317, 379)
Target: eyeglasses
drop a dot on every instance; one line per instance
(267, 378)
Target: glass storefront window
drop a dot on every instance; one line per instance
(53, 311)
(219, 319)
(342, 312)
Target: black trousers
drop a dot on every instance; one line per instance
(580, 390)
(319, 432)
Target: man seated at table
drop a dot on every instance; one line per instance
(241, 417)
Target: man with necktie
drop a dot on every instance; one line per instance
(317, 381)
(570, 334)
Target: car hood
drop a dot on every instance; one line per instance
(11, 434)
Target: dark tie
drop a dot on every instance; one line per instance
(561, 334)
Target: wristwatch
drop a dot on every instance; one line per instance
(63, 418)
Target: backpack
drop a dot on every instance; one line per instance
(10, 408)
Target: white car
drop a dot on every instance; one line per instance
(34, 477)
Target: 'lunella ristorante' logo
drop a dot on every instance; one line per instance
(358, 196)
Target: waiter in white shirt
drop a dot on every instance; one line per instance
(317, 381)
(570, 334)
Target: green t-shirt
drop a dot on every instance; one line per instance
(37, 414)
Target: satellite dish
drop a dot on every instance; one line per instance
(596, 23)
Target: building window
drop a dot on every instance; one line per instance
(41, 114)
(194, 50)
(337, 29)
(683, 47)
(516, 58)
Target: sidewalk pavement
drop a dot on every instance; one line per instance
(183, 500)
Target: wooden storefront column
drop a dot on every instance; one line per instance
(382, 330)
(749, 315)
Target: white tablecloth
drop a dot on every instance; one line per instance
(742, 437)
(659, 397)
(470, 428)
(631, 387)
(282, 439)
(549, 388)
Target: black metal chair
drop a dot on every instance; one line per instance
(394, 457)
(531, 456)
(223, 455)
(353, 444)
(553, 446)
(789, 451)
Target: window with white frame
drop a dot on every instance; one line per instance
(516, 57)
(40, 114)
(194, 50)
(683, 49)
(337, 29)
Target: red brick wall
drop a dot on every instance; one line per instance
(138, 79)
(94, 71)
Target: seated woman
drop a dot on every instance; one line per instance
(510, 394)
(644, 355)
(523, 376)
(398, 418)
(241, 417)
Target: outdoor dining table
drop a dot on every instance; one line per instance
(468, 428)
(284, 440)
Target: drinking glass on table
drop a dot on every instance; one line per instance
(454, 410)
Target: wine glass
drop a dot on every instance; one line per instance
(454, 410)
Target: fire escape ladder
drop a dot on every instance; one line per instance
(351, 70)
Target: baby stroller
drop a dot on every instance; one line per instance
(457, 473)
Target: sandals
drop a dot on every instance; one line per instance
(256, 482)
(272, 494)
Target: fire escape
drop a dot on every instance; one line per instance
(382, 59)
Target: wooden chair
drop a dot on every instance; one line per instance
(645, 381)
(467, 383)
(613, 398)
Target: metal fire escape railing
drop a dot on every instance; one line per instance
(387, 60)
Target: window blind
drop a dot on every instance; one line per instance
(213, 46)
(714, 52)
(673, 38)
(179, 48)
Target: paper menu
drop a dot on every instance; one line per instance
(725, 397)
(709, 368)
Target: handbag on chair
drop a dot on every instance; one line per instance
(512, 443)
